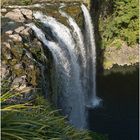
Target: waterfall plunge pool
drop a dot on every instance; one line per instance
(118, 116)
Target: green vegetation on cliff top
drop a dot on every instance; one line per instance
(27, 2)
(119, 22)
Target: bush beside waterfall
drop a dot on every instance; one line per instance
(119, 22)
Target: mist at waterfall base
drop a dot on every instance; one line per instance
(73, 79)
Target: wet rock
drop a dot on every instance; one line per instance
(25, 31)
(18, 66)
(19, 29)
(3, 10)
(27, 13)
(9, 32)
(17, 51)
(6, 51)
(8, 26)
(31, 66)
(8, 55)
(6, 44)
(15, 15)
(16, 37)
(18, 69)
(24, 71)
(19, 82)
(20, 85)
(4, 71)
(9, 41)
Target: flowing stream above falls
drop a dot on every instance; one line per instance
(74, 61)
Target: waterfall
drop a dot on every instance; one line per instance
(80, 48)
(78, 36)
(53, 47)
(61, 63)
(73, 79)
(69, 88)
(94, 101)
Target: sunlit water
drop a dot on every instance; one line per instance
(73, 75)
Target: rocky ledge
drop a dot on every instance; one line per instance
(121, 56)
(23, 56)
(25, 66)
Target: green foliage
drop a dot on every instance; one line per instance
(120, 21)
(26, 2)
(36, 120)
(16, 2)
(117, 43)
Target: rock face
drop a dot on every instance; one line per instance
(17, 68)
(19, 15)
(27, 13)
(15, 37)
(121, 56)
(19, 29)
(3, 10)
(25, 62)
(15, 15)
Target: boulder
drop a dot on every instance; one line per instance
(3, 10)
(18, 66)
(7, 45)
(25, 31)
(9, 32)
(19, 29)
(18, 81)
(15, 15)
(4, 71)
(16, 37)
(27, 13)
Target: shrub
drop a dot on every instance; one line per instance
(16, 2)
(38, 122)
(119, 21)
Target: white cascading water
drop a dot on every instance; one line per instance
(80, 48)
(53, 47)
(70, 93)
(78, 36)
(60, 61)
(94, 101)
(73, 95)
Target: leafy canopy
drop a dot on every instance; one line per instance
(121, 23)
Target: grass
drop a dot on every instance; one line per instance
(35, 120)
